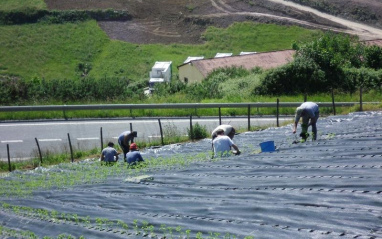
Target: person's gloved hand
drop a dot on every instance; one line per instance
(236, 152)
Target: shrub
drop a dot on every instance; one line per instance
(211, 88)
(14, 89)
(30, 15)
(164, 89)
(300, 76)
(373, 57)
(198, 132)
(363, 77)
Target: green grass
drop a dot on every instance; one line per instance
(51, 157)
(54, 51)
(370, 96)
(246, 36)
(140, 228)
(80, 173)
(49, 51)
(118, 57)
(17, 5)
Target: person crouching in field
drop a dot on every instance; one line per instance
(222, 144)
(134, 156)
(109, 155)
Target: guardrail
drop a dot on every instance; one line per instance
(218, 106)
(248, 105)
(168, 106)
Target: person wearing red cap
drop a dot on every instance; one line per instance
(134, 155)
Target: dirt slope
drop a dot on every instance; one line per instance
(183, 21)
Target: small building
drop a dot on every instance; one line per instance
(247, 53)
(160, 73)
(218, 55)
(198, 70)
(193, 58)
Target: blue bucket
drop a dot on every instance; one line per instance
(268, 146)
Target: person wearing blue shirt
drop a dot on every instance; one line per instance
(109, 154)
(134, 155)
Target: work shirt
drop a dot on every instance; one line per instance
(133, 156)
(222, 145)
(121, 138)
(109, 154)
(310, 108)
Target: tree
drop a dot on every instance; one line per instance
(373, 57)
(302, 75)
(331, 53)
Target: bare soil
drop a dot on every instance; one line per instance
(183, 21)
(367, 11)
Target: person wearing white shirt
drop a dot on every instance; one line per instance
(222, 144)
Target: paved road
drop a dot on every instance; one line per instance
(86, 134)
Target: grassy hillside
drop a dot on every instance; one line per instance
(118, 57)
(12, 5)
(49, 51)
(58, 50)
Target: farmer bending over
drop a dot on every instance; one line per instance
(228, 130)
(124, 139)
(309, 113)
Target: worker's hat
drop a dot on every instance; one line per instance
(133, 146)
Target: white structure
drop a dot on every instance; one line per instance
(160, 72)
(218, 55)
(247, 53)
(193, 58)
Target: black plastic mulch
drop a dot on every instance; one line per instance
(329, 188)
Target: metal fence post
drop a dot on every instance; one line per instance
(131, 130)
(191, 131)
(249, 117)
(39, 150)
(220, 116)
(360, 99)
(71, 149)
(161, 132)
(333, 104)
(101, 138)
(278, 112)
(64, 112)
(9, 159)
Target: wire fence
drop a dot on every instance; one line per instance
(277, 105)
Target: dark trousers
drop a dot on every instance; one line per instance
(125, 148)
